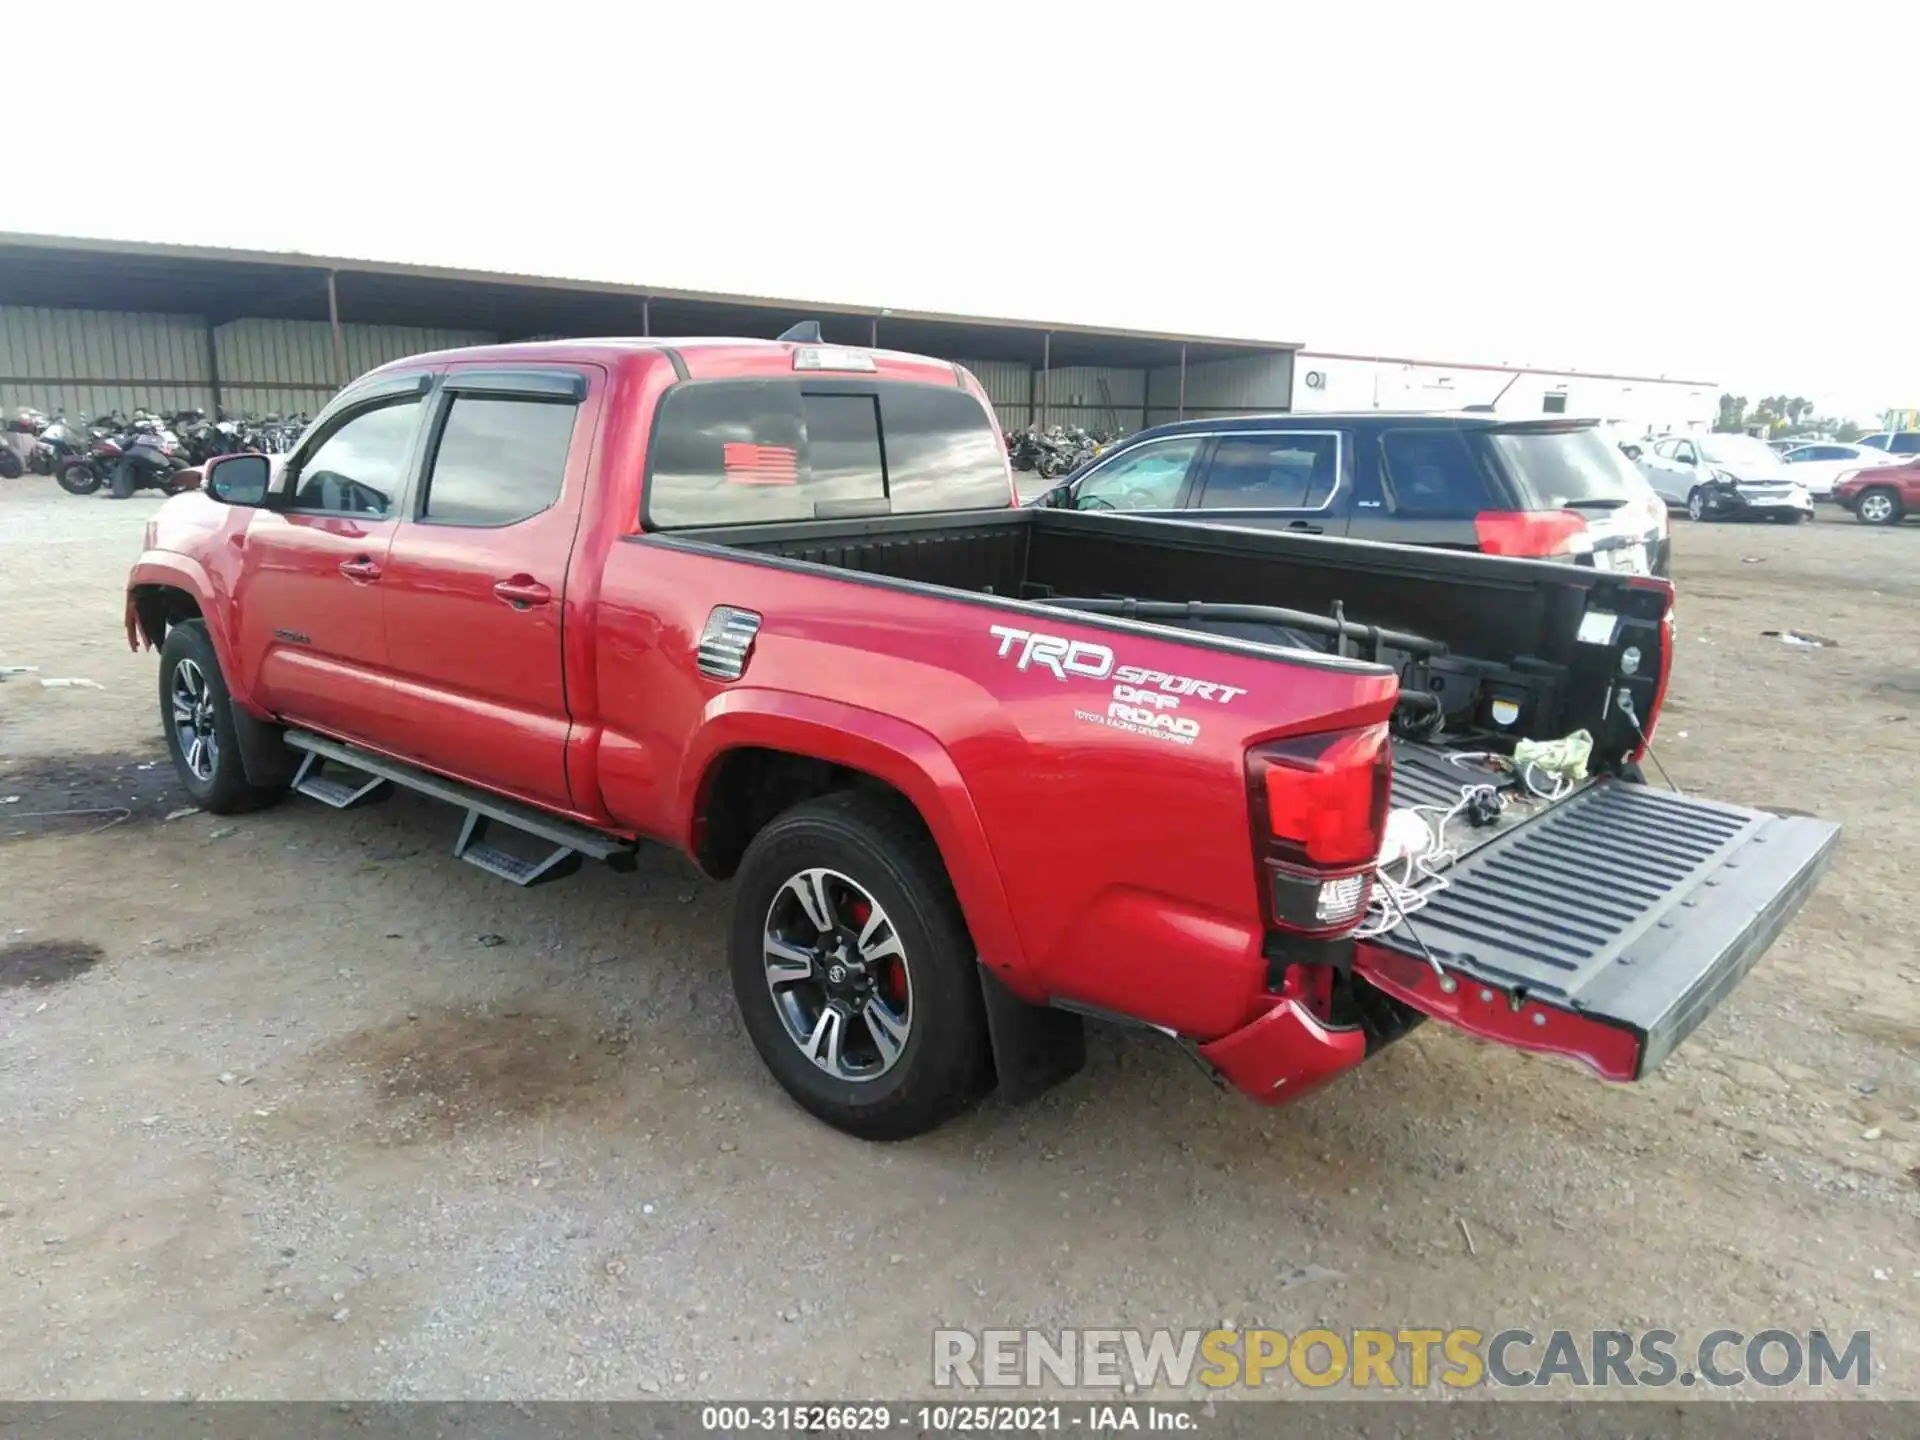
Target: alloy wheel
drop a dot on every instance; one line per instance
(192, 718)
(838, 975)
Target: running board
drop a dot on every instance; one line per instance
(312, 781)
(570, 842)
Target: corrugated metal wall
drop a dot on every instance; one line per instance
(89, 361)
(1008, 384)
(285, 366)
(1071, 394)
(1252, 385)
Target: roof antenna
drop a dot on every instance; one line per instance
(807, 332)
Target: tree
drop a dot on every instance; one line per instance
(1797, 407)
(1733, 414)
(1846, 432)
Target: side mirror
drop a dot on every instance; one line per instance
(238, 479)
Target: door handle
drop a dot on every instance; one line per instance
(361, 567)
(522, 591)
(1306, 527)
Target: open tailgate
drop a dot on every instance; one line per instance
(1606, 927)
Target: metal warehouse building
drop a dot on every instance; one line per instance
(88, 326)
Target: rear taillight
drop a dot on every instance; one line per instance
(1530, 534)
(1319, 806)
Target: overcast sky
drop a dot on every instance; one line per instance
(1707, 192)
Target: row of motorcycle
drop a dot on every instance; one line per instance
(142, 451)
(1055, 450)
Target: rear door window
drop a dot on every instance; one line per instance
(498, 461)
(1430, 474)
(1272, 472)
(732, 452)
(1907, 442)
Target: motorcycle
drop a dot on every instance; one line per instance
(145, 456)
(17, 441)
(60, 442)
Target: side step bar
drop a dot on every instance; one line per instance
(371, 774)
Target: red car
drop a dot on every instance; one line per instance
(977, 771)
(1882, 495)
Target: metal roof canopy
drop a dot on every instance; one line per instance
(61, 272)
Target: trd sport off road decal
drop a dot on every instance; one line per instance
(1143, 702)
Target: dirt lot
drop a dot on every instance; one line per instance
(297, 1105)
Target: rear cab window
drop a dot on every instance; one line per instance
(734, 452)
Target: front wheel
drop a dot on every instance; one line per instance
(1878, 506)
(198, 716)
(853, 970)
(77, 477)
(1696, 504)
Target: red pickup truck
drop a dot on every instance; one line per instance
(977, 771)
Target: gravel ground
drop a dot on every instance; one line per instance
(295, 1105)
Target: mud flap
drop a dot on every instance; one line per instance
(1605, 928)
(1034, 1047)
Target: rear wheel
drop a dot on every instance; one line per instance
(10, 466)
(853, 970)
(1878, 506)
(77, 477)
(198, 717)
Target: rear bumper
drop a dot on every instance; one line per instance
(1284, 1053)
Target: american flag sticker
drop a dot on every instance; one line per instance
(746, 464)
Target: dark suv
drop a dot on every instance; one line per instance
(1547, 489)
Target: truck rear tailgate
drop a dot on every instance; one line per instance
(1605, 927)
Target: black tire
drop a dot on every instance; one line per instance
(121, 487)
(880, 847)
(10, 466)
(77, 477)
(214, 778)
(1697, 504)
(1868, 511)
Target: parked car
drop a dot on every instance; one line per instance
(1894, 442)
(975, 769)
(1725, 477)
(1817, 466)
(1881, 494)
(1545, 489)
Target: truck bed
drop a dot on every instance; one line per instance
(1503, 626)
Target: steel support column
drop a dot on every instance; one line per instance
(333, 319)
(1046, 377)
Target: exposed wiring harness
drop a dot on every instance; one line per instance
(1413, 860)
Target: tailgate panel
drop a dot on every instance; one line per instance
(1631, 906)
